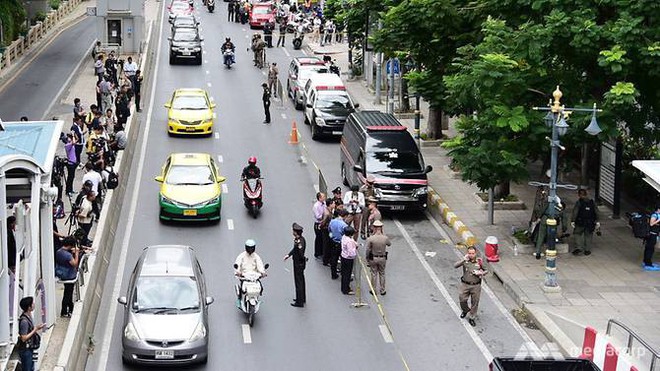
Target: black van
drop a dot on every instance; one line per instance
(375, 143)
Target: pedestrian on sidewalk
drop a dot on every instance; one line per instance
(265, 98)
(299, 263)
(85, 216)
(282, 35)
(272, 78)
(66, 260)
(130, 68)
(230, 11)
(354, 204)
(377, 256)
(78, 109)
(651, 240)
(71, 161)
(325, 231)
(584, 220)
(122, 103)
(28, 334)
(79, 133)
(99, 68)
(106, 88)
(348, 253)
(111, 68)
(318, 210)
(470, 289)
(337, 227)
(109, 121)
(96, 51)
(137, 89)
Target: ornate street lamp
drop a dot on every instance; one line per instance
(556, 119)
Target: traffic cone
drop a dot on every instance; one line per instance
(293, 139)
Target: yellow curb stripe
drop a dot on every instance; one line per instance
(451, 219)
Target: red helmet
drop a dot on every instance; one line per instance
(252, 160)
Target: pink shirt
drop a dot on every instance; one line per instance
(348, 247)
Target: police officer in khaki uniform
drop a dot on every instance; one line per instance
(470, 288)
(377, 255)
(369, 192)
(373, 214)
(299, 262)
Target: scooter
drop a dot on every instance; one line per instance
(228, 57)
(248, 293)
(252, 195)
(298, 40)
(210, 5)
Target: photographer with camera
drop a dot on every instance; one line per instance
(95, 180)
(66, 269)
(28, 334)
(85, 216)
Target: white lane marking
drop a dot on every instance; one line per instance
(247, 337)
(208, 83)
(303, 51)
(217, 135)
(246, 36)
(528, 340)
(220, 158)
(287, 53)
(208, 72)
(445, 294)
(386, 334)
(66, 83)
(225, 189)
(204, 52)
(263, 73)
(244, 30)
(316, 188)
(206, 61)
(123, 254)
(211, 98)
(230, 224)
(284, 116)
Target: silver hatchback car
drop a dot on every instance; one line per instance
(165, 315)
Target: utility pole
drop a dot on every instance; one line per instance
(379, 70)
(391, 87)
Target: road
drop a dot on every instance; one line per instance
(328, 334)
(40, 83)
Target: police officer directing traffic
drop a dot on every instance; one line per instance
(299, 262)
(470, 288)
(377, 256)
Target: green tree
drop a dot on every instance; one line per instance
(12, 15)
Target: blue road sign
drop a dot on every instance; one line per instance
(397, 67)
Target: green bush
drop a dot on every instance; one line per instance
(40, 16)
(12, 14)
(54, 4)
(522, 236)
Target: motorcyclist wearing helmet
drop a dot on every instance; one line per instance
(249, 261)
(228, 45)
(251, 171)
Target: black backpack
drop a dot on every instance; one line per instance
(640, 224)
(113, 179)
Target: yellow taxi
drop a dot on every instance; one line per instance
(190, 112)
(190, 188)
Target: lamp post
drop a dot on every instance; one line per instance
(410, 64)
(556, 120)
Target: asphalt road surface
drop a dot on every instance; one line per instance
(38, 85)
(328, 334)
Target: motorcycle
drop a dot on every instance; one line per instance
(228, 57)
(210, 5)
(248, 292)
(252, 195)
(298, 40)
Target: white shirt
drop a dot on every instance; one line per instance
(93, 177)
(249, 263)
(85, 215)
(354, 196)
(130, 68)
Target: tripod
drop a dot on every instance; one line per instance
(71, 220)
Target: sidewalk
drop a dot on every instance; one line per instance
(610, 283)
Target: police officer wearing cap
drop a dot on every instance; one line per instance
(377, 255)
(339, 201)
(470, 288)
(373, 214)
(299, 262)
(369, 192)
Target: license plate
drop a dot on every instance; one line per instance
(397, 207)
(336, 133)
(186, 53)
(190, 129)
(191, 212)
(164, 354)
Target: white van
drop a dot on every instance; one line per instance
(327, 105)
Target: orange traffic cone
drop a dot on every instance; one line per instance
(293, 139)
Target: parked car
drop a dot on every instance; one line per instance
(166, 309)
(185, 43)
(327, 105)
(375, 143)
(261, 14)
(300, 70)
(568, 364)
(184, 21)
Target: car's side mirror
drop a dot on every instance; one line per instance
(167, 105)
(235, 266)
(358, 168)
(221, 179)
(266, 266)
(209, 300)
(122, 300)
(213, 105)
(428, 169)
(159, 179)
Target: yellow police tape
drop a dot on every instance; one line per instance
(382, 312)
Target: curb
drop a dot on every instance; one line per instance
(441, 211)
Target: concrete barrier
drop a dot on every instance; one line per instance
(79, 336)
(440, 210)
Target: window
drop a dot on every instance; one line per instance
(190, 175)
(165, 294)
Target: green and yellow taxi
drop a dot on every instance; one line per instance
(190, 112)
(190, 188)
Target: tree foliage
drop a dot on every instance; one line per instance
(12, 15)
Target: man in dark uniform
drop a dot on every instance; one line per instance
(470, 288)
(299, 262)
(268, 34)
(339, 201)
(265, 97)
(328, 214)
(377, 255)
(282, 35)
(230, 11)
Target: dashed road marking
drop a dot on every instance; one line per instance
(217, 135)
(303, 51)
(263, 73)
(230, 224)
(208, 84)
(287, 53)
(220, 159)
(247, 337)
(283, 115)
(225, 189)
(386, 334)
(208, 72)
